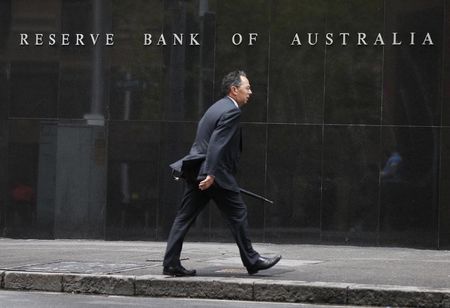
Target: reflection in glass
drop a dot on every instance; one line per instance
(20, 198)
(350, 184)
(444, 192)
(133, 160)
(296, 70)
(409, 182)
(412, 74)
(136, 70)
(351, 141)
(293, 181)
(40, 80)
(353, 73)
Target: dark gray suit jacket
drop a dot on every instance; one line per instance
(217, 146)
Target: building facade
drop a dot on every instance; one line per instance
(348, 129)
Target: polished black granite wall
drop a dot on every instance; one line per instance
(351, 142)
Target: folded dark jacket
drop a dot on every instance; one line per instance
(189, 166)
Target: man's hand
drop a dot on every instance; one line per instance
(206, 183)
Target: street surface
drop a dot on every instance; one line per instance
(17, 299)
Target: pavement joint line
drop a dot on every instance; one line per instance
(2, 278)
(253, 292)
(346, 294)
(226, 287)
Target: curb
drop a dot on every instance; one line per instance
(228, 288)
(195, 287)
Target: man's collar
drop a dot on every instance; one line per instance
(235, 103)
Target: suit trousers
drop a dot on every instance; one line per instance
(194, 201)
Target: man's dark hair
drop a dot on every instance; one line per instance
(232, 79)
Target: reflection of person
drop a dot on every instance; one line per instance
(209, 173)
(390, 170)
(22, 193)
(22, 197)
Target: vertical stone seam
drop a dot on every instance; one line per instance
(61, 283)
(134, 285)
(347, 291)
(253, 291)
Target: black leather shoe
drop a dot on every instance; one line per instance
(262, 264)
(178, 271)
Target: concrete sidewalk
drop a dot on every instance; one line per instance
(307, 273)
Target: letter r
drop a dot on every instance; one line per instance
(23, 39)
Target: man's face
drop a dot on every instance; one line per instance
(242, 93)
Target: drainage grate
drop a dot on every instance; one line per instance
(78, 267)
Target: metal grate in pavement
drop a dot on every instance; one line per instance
(79, 267)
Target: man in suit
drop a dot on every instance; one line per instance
(209, 172)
